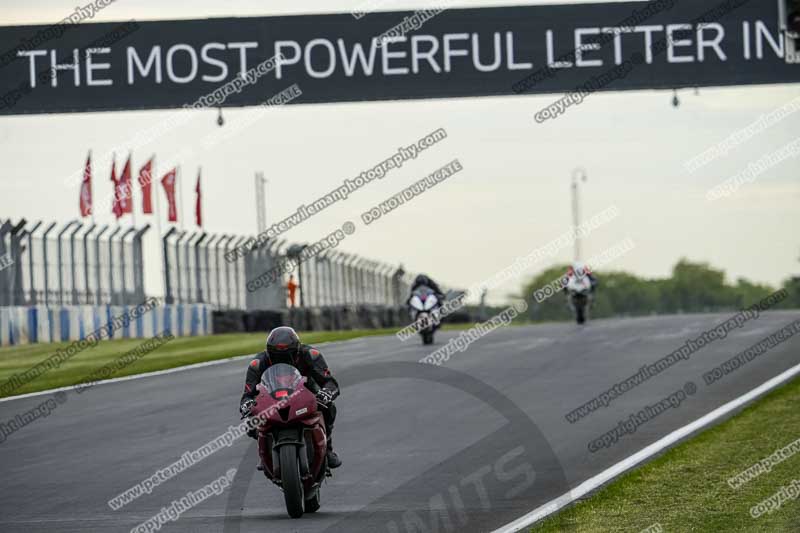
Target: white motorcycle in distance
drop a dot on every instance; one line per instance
(424, 309)
(579, 296)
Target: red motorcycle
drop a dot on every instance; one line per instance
(291, 437)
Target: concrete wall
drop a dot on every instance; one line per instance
(322, 318)
(311, 319)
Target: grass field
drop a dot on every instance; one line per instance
(686, 489)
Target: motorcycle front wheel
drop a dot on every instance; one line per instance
(427, 337)
(580, 314)
(290, 481)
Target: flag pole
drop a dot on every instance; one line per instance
(116, 187)
(200, 195)
(158, 204)
(154, 183)
(91, 205)
(180, 199)
(130, 193)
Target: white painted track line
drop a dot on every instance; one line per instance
(626, 464)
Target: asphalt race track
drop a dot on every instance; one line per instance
(468, 446)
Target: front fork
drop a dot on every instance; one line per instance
(304, 439)
(571, 297)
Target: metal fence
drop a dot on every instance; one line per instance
(72, 264)
(79, 263)
(196, 272)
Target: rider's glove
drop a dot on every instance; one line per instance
(246, 406)
(325, 397)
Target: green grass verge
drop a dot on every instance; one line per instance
(178, 352)
(686, 489)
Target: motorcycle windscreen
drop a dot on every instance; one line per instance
(423, 291)
(281, 380)
(430, 302)
(577, 284)
(420, 296)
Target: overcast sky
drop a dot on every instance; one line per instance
(511, 197)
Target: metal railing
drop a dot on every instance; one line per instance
(83, 263)
(73, 264)
(196, 272)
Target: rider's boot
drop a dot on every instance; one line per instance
(333, 459)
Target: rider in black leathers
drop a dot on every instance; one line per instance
(283, 346)
(423, 280)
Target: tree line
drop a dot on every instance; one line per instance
(692, 288)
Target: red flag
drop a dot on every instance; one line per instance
(126, 189)
(198, 206)
(145, 181)
(168, 182)
(116, 207)
(86, 188)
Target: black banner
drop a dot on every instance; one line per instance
(433, 53)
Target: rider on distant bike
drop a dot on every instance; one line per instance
(424, 281)
(283, 346)
(578, 270)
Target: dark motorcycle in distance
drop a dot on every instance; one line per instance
(292, 443)
(424, 309)
(579, 297)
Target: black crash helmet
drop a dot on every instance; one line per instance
(282, 344)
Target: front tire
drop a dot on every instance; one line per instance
(290, 481)
(427, 337)
(580, 314)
